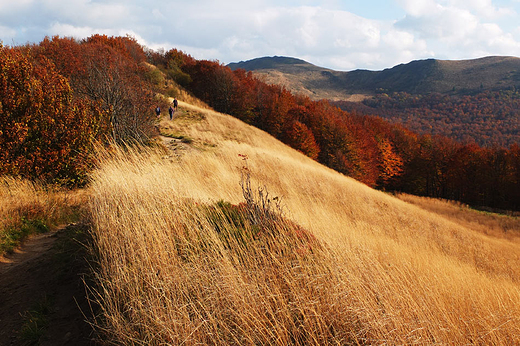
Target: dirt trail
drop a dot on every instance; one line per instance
(44, 275)
(33, 248)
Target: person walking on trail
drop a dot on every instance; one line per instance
(175, 104)
(171, 112)
(158, 111)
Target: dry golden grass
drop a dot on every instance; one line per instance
(385, 272)
(497, 225)
(27, 207)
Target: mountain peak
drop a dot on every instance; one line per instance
(267, 62)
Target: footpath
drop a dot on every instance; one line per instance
(43, 300)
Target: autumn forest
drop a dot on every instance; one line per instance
(59, 97)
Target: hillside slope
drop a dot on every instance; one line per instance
(416, 77)
(300, 77)
(387, 272)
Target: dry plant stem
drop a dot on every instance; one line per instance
(261, 205)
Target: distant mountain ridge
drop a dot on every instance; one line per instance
(416, 77)
(267, 63)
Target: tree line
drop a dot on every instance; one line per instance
(380, 154)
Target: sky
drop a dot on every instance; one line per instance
(337, 34)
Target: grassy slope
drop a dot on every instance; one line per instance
(391, 273)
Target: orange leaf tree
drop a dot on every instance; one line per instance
(300, 137)
(107, 70)
(44, 132)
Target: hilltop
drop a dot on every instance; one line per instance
(416, 77)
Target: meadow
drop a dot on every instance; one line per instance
(220, 234)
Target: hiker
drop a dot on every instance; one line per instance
(175, 104)
(171, 112)
(158, 111)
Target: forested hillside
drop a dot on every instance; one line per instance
(60, 94)
(489, 118)
(465, 100)
(365, 147)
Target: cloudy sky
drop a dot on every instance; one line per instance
(338, 34)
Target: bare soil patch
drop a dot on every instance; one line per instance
(42, 293)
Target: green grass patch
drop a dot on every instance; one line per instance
(24, 221)
(15, 234)
(253, 225)
(36, 322)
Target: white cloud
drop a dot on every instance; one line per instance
(320, 31)
(441, 23)
(328, 38)
(68, 30)
(303, 31)
(461, 29)
(403, 46)
(419, 8)
(484, 8)
(497, 42)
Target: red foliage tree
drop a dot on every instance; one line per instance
(390, 163)
(115, 81)
(107, 70)
(299, 137)
(126, 46)
(44, 132)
